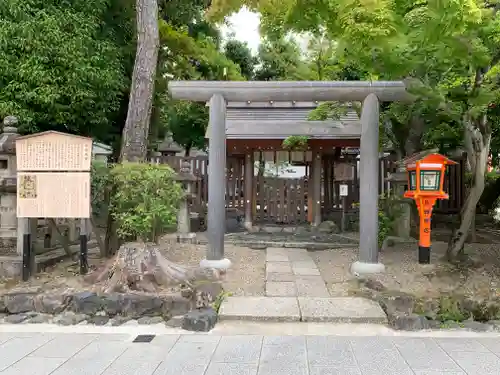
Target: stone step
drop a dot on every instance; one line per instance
(305, 309)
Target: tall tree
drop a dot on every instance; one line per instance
(240, 53)
(136, 130)
(63, 65)
(185, 55)
(280, 59)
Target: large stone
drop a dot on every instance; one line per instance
(175, 305)
(137, 305)
(19, 302)
(281, 309)
(69, 318)
(40, 318)
(16, 318)
(98, 320)
(202, 320)
(341, 310)
(51, 303)
(408, 322)
(87, 303)
(328, 227)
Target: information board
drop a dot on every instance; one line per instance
(53, 175)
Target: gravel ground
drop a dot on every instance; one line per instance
(403, 272)
(244, 278)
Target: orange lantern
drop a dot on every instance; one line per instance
(425, 183)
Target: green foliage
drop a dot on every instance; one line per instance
(145, 199)
(295, 142)
(187, 121)
(185, 55)
(240, 53)
(219, 299)
(100, 188)
(62, 66)
(280, 60)
(450, 309)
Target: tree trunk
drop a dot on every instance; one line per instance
(136, 130)
(478, 149)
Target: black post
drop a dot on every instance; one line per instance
(424, 254)
(27, 256)
(343, 220)
(84, 266)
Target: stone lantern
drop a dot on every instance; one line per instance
(10, 246)
(186, 178)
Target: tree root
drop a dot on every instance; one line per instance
(141, 267)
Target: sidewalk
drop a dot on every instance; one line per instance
(172, 354)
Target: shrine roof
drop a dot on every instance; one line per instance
(279, 120)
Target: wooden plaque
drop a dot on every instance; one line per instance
(53, 151)
(53, 195)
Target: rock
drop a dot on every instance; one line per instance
(51, 303)
(175, 321)
(119, 320)
(3, 307)
(40, 318)
(427, 307)
(150, 320)
(477, 326)
(495, 324)
(202, 320)
(405, 322)
(19, 302)
(98, 320)
(176, 305)
(87, 303)
(402, 303)
(16, 318)
(138, 305)
(113, 303)
(69, 318)
(451, 324)
(374, 285)
(328, 227)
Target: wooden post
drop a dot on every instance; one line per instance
(316, 188)
(248, 190)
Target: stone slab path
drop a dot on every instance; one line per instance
(295, 291)
(85, 354)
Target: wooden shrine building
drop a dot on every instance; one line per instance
(255, 132)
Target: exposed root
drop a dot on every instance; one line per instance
(141, 267)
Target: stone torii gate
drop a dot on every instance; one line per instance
(219, 92)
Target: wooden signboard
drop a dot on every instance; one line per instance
(53, 178)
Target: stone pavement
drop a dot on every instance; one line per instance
(295, 291)
(115, 354)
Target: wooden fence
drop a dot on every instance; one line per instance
(285, 200)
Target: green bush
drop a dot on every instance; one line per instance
(100, 188)
(145, 199)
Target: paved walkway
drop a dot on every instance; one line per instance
(295, 291)
(293, 273)
(116, 354)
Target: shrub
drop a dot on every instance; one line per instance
(144, 200)
(100, 187)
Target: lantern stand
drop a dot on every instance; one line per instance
(425, 182)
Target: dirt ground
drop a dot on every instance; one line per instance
(246, 276)
(403, 273)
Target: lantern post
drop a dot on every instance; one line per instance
(425, 183)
